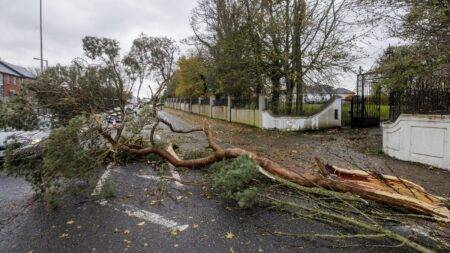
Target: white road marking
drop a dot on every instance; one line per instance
(153, 218)
(102, 181)
(175, 175)
(172, 170)
(154, 178)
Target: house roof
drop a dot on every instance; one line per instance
(327, 89)
(319, 89)
(15, 70)
(342, 91)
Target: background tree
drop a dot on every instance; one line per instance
(276, 46)
(191, 76)
(423, 26)
(151, 58)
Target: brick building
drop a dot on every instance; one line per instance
(11, 78)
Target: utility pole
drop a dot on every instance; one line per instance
(42, 53)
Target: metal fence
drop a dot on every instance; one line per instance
(419, 100)
(195, 101)
(306, 107)
(244, 103)
(220, 102)
(205, 101)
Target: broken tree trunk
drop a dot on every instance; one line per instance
(384, 189)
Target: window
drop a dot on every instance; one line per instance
(1, 79)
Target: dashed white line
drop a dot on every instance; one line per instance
(101, 181)
(154, 178)
(153, 218)
(136, 212)
(175, 175)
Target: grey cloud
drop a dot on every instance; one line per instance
(66, 22)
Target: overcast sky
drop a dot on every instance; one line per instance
(66, 22)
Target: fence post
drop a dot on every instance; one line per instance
(211, 103)
(261, 103)
(190, 105)
(229, 109)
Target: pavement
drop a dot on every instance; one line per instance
(151, 214)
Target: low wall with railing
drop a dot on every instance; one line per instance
(328, 117)
(419, 138)
(205, 110)
(250, 117)
(220, 112)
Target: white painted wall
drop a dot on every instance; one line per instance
(264, 119)
(419, 138)
(324, 119)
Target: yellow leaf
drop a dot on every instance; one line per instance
(141, 223)
(229, 235)
(174, 232)
(195, 226)
(64, 236)
(70, 222)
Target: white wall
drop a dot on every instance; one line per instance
(321, 120)
(419, 138)
(264, 119)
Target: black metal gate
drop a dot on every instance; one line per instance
(365, 106)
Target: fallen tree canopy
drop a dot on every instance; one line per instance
(381, 188)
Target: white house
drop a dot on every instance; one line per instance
(323, 93)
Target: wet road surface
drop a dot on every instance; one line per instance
(150, 214)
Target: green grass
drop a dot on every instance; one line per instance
(311, 109)
(384, 112)
(346, 107)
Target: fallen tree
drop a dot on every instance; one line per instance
(385, 189)
(84, 97)
(100, 90)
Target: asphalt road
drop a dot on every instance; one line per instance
(186, 219)
(149, 214)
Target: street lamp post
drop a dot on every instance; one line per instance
(46, 62)
(42, 53)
